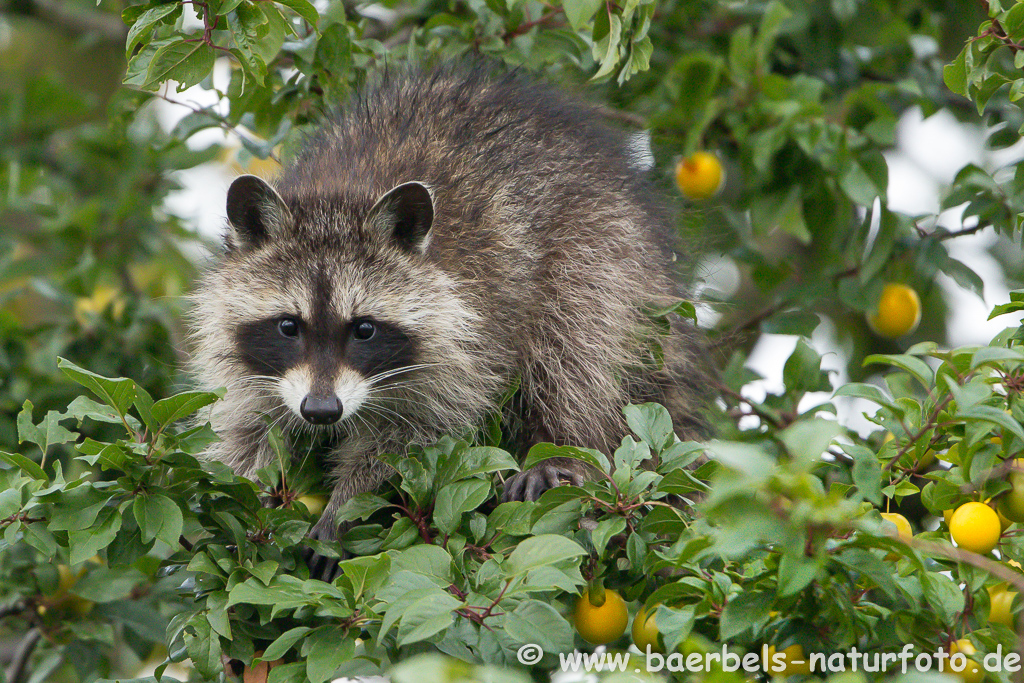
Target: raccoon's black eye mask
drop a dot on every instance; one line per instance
(275, 345)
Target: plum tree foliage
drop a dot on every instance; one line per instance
(121, 545)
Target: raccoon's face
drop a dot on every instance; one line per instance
(329, 322)
(327, 367)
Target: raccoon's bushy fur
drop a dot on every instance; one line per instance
(519, 243)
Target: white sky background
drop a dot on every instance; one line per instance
(928, 154)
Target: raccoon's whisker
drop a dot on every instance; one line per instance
(416, 395)
(366, 423)
(397, 371)
(383, 412)
(404, 383)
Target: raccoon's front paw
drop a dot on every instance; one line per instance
(529, 485)
(321, 566)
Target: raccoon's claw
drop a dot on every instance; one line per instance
(531, 484)
(320, 566)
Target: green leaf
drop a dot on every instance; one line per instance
(325, 650)
(543, 451)
(47, 433)
(426, 617)
(429, 560)
(144, 405)
(203, 647)
(185, 62)
(1013, 23)
(994, 355)
(775, 14)
(604, 531)
(360, 506)
(745, 458)
(455, 499)
(743, 611)
(802, 371)
(863, 562)
(244, 25)
(539, 551)
(993, 415)
(473, 462)
(533, 621)
(105, 584)
(607, 50)
(304, 9)
(652, 423)
(281, 594)
(144, 25)
(84, 407)
(954, 75)
(867, 473)
(24, 464)
(116, 393)
(866, 391)
(916, 367)
(795, 574)
(808, 439)
(159, 518)
(171, 409)
(295, 672)
(283, 643)
(580, 12)
(944, 595)
(366, 574)
(675, 624)
(84, 544)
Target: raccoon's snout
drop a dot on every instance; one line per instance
(320, 411)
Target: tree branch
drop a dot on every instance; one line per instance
(19, 664)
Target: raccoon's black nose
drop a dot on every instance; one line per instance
(320, 411)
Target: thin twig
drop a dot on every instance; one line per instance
(19, 663)
(13, 608)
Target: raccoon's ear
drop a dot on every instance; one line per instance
(404, 214)
(256, 212)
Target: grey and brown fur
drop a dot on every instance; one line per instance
(496, 229)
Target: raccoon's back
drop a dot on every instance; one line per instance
(491, 146)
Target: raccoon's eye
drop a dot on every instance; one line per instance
(289, 327)
(363, 330)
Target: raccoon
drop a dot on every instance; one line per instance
(450, 233)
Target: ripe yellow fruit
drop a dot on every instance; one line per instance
(972, 673)
(645, 631)
(314, 503)
(975, 527)
(904, 532)
(903, 529)
(898, 311)
(601, 624)
(1001, 605)
(794, 662)
(700, 175)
